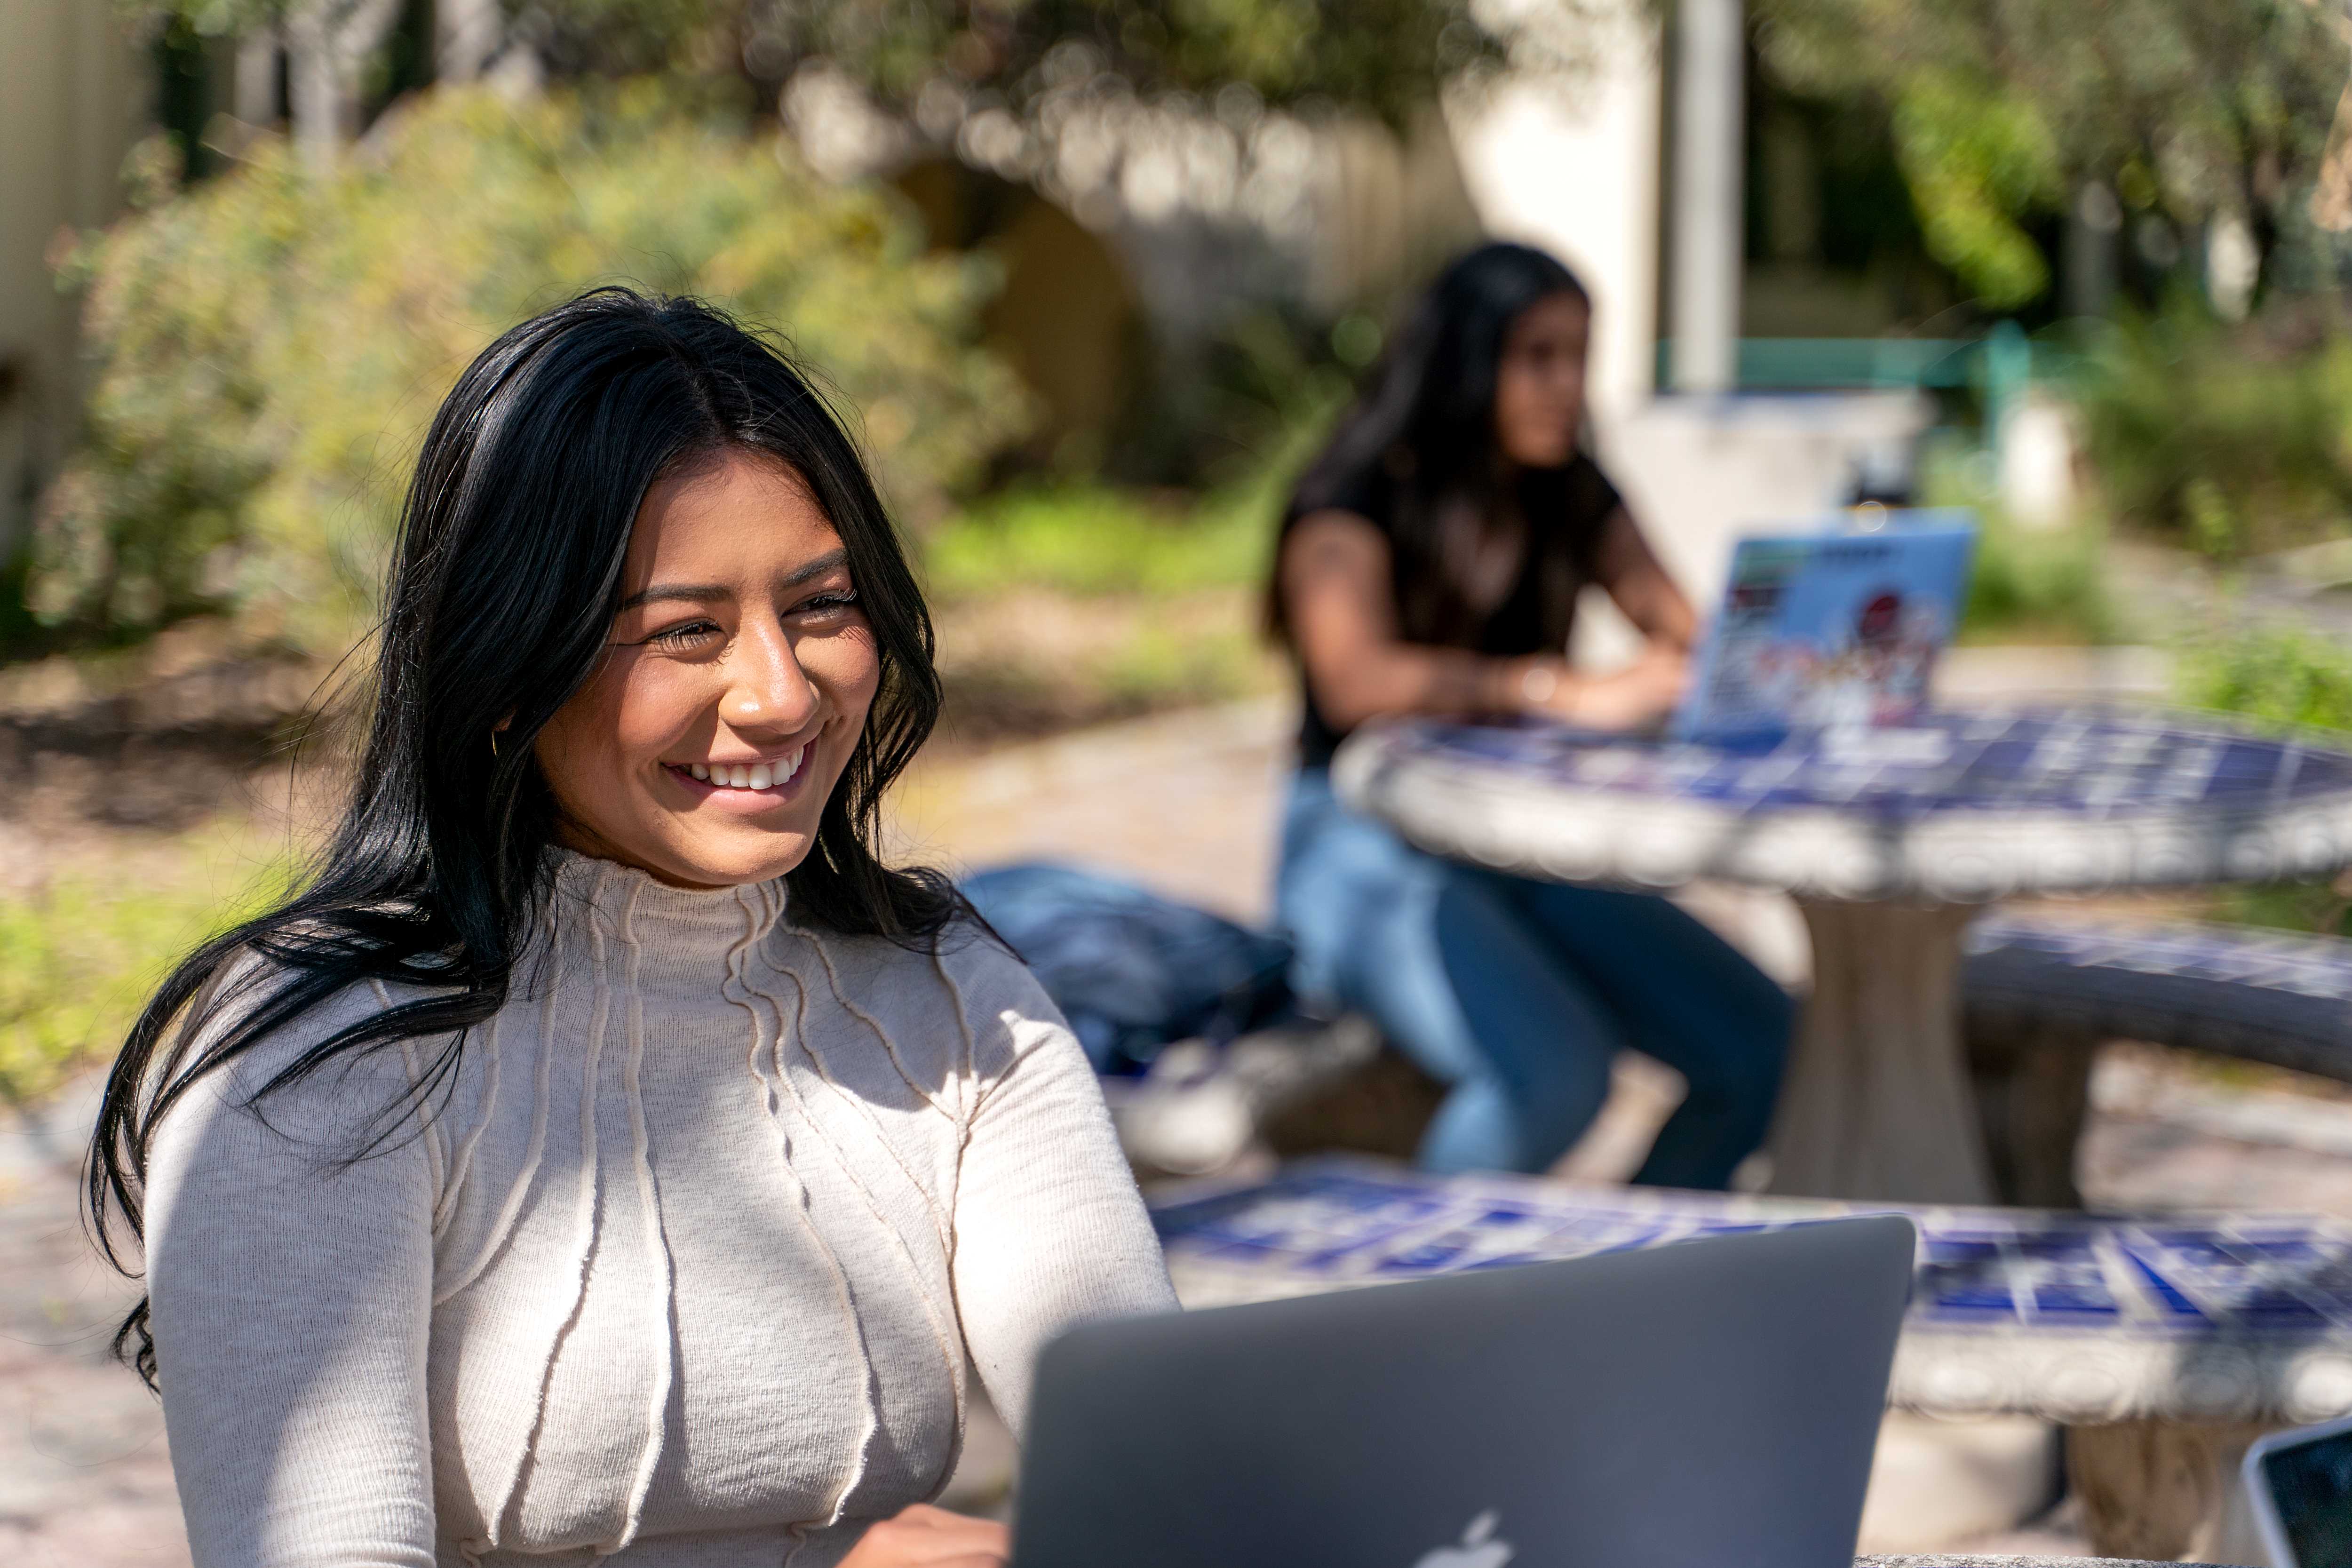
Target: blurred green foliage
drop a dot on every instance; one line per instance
(84, 951)
(1076, 600)
(2042, 585)
(1090, 539)
(2275, 675)
(268, 347)
(1387, 57)
(1973, 162)
(2232, 438)
(2038, 586)
(2002, 108)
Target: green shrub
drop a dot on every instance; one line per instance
(2274, 677)
(2043, 586)
(1093, 538)
(84, 951)
(2234, 440)
(2025, 585)
(269, 346)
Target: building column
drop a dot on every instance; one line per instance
(1710, 88)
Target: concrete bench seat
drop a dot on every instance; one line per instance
(2039, 996)
(2264, 997)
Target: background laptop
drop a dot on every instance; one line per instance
(1709, 1404)
(1839, 625)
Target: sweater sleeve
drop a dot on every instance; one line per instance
(1049, 1228)
(291, 1291)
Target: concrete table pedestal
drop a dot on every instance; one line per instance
(1877, 1099)
(2166, 1490)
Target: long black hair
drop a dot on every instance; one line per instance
(1420, 436)
(505, 579)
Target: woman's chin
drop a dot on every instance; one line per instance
(725, 859)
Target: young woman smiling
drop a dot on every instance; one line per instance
(607, 1154)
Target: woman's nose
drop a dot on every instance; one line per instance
(768, 689)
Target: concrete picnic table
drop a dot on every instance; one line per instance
(2162, 1345)
(1891, 840)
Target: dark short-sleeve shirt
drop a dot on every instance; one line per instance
(1566, 509)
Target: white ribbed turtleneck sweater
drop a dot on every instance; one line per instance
(685, 1268)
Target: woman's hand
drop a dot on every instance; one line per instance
(926, 1537)
(1642, 693)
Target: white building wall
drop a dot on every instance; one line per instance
(1571, 165)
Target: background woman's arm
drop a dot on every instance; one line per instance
(292, 1294)
(1639, 585)
(1335, 579)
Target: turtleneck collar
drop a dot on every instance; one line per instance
(676, 932)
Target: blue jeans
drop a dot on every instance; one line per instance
(1517, 993)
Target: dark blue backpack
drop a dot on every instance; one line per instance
(1131, 970)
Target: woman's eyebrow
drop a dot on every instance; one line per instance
(701, 592)
(829, 561)
(695, 592)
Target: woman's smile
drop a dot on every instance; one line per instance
(765, 780)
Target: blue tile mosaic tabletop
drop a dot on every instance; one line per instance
(2066, 1316)
(1347, 1222)
(2097, 762)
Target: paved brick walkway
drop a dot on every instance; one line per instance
(85, 1481)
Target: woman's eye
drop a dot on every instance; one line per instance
(684, 635)
(824, 604)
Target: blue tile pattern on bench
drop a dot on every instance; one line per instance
(2265, 996)
(2097, 763)
(2318, 967)
(1338, 1222)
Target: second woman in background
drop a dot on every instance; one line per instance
(1430, 562)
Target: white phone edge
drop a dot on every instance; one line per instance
(2258, 1494)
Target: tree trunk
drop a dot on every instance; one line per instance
(467, 38)
(326, 43)
(314, 89)
(255, 99)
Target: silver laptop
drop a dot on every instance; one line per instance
(1702, 1405)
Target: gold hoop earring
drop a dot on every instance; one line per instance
(494, 745)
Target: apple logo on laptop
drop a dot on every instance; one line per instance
(1478, 1548)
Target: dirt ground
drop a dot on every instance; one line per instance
(1184, 802)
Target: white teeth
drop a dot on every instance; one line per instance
(753, 775)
